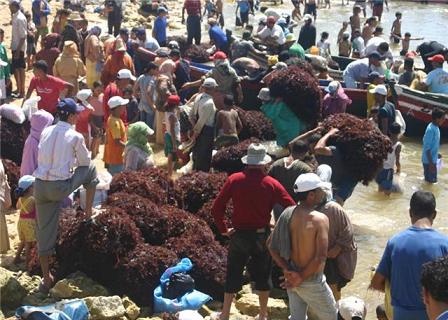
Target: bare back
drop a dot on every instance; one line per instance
(227, 122)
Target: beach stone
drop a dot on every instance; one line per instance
(11, 291)
(77, 285)
(38, 299)
(132, 310)
(248, 305)
(29, 283)
(105, 308)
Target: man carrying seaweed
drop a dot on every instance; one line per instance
(253, 194)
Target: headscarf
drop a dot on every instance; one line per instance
(51, 40)
(138, 133)
(39, 121)
(95, 31)
(70, 49)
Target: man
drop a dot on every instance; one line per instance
(217, 36)
(437, 79)
(435, 288)
(242, 48)
(160, 26)
(377, 8)
(431, 144)
(359, 70)
(299, 246)
(335, 101)
(404, 256)
(18, 46)
(49, 88)
(61, 149)
(118, 60)
(40, 10)
(146, 42)
(272, 34)
(115, 88)
(193, 8)
(386, 115)
(253, 194)
(181, 72)
(114, 16)
(408, 75)
(307, 35)
(352, 308)
(429, 49)
(202, 117)
(377, 44)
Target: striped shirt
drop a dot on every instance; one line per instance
(60, 150)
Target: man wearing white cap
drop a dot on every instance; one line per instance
(352, 308)
(115, 88)
(386, 115)
(202, 116)
(307, 35)
(299, 246)
(253, 195)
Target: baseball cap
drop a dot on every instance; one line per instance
(281, 21)
(83, 94)
(373, 75)
(264, 94)
(125, 74)
(117, 101)
(173, 44)
(161, 10)
(209, 83)
(379, 89)
(437, 58)
(173, 99)
(352, 307)
(219, 55)
(346, 35)
(69, 105)
(375, 55)
(25, 182)
(332, 87)
(307, 17)
(307, 182)
(270, 19)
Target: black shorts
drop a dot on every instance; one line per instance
(248, 248)
(244, 17)
(311, 9)
(18, 63)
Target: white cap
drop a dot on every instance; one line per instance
(352, 307)
(83, 94)
(332, 87)
(380, 89)
(125, 74)
(173, 44)
(264, 94)
(307, 182)
(209, 83)
(280, 65)
(117, 101)
(308, 17)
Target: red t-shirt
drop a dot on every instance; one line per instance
(112, 91)
(49, 90)
(82, 124)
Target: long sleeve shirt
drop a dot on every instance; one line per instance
(253, 194)
(203, 112)
(60, 150)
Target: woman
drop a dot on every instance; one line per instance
(116, 61)
(50, 50)
(138, 153)
(69, 66)
(93, 52)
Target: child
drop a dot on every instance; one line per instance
(228, 124)
(324, 45)
(355, 19)
(358, 45)
(115, 136)
(172, 131)
(132, 108)
(345, 46)
(406, 41)
(342, 31)
(395, 31)
(30, 41)
(26, 227)
(160, 26)
(374, 79)
(82, 123)
(296, 14)
(385, 176)
(96, 119)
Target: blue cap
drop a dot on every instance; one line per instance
(375, 55)
(25, 182)
(70, 106)
(140, 31)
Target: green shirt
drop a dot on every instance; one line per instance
(4, 71)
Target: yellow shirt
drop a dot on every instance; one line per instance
(113, 153)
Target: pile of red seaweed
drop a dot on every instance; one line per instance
(12, 171)
(205, 213)
(255, 125)
(198, 53)
(229, 159)
(364, 148)
(300, 91)
(12, 139)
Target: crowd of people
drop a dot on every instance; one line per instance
(127, 88)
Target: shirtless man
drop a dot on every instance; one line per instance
(355, 19)
(299, 245)
(228, 124)
(311, 8)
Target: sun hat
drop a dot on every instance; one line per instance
(125, 74)
(379, 89)
(256, 155)
(437, 58)
(117, 101)
(352, 307)
(219, 55)
(332, 87)
(75, 16)
(209, 83)
(308, 17)
(68, 105)
(280, 66)
(264, 94)
(307, 182)
(25, 182)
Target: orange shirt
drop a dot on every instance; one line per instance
(113, 153)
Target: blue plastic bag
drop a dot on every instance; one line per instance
(189, 301)
(64, 310)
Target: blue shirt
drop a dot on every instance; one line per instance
(358, 69)
(218, 36)
(431, 141)
(244, 6)
(402, 262)
(437, 81)
(160, 25)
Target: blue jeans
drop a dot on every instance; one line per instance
(194, 29)
(148, 118)
(430, 177)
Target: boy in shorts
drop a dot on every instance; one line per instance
(395, 31)
(172, 131)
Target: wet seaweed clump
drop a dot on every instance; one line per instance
(194, 189)
(12, 171)
(198, 53)
(255, 125)
(205, 213)
(137, 183)
(160, 177)
(229, 159)
(12, 139)
(300, 91)
(363, 147)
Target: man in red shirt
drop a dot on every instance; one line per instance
(49, 88)
(115, 88)
(193, 8)
(254, 194)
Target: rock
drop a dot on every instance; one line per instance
(1, 315)
(38, 299)
(105, 308)
(11, 291)
(132, 310)
(77, 285)
(29, 283)
(248, 305)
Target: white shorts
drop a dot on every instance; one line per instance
(2, 89)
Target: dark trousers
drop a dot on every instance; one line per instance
(114, 21)
(202, 150)
(194, 29)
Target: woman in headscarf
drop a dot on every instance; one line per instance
(69, 66)
(93, 52)
(138, 153)
(116, 61)
(50, 50)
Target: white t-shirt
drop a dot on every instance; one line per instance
(19, 25)
(276, 31)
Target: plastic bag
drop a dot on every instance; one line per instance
(30, 106)
(13, 113)
(190, 301)
(180, 283)
(63, 310)
(400, 120)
